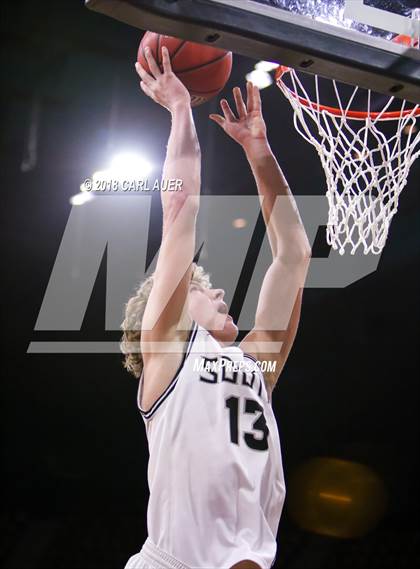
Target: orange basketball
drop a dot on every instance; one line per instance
(203, 69)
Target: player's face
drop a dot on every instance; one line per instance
(207, 308)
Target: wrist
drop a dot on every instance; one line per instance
(180, 106)
(256, 149)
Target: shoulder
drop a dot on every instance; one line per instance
(162, 366)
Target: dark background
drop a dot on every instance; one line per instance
(74, 447)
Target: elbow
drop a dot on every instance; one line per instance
(191, 202)
(294, 248)
(296, 255)
(184, 152)
(188, 204)
(305, 252)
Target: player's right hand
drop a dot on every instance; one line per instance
(164, 88)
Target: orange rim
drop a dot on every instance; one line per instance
(358, 115)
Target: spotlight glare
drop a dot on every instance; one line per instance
(81, 198)
(129, 165)
(410, 129)
(266, 66)
(239, 223)
(259, 78)
(100, 175)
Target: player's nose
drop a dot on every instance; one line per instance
(219, 294)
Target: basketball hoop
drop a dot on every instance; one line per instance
(366, 167)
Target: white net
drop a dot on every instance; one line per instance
(366, 165)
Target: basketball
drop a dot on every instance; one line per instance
(203, 69)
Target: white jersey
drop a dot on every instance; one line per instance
(215, 472)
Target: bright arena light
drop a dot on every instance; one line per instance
(259, 78)
(81, 198)
(410, 129)
(266, 66)
(100, 175)
(124, 168)
(130, 165)
(239, 223)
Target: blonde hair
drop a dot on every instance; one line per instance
(134, 312)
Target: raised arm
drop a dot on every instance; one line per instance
(165, 318)
(279, 303)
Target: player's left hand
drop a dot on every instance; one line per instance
(249, 126)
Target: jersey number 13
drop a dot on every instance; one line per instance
(259, 426)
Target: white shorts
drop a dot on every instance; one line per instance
(151, 557)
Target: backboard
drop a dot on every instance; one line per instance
(347, 40)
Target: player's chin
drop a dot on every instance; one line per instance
(228, 333)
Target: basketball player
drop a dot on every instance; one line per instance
(215, 472)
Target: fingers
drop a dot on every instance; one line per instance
(153, 66)
(249, 97)
(227, 111)
(146, 89)
(218, 119)
(144, 76)
(253, 103)
(240, 105)
(166, 61)
(256, 98)
(253, 98)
